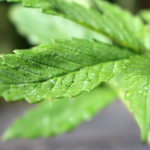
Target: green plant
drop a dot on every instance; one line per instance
(66, 68)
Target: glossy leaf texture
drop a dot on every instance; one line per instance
(64, 68)
(54, 117)
(28, 24)
(124, 29)
(136, 84)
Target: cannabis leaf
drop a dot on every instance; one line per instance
(108, 19)
(136, 84)
(25, 20)
(65, 68)
(54, 117)
(148, 138)
(147, 38)
(145, 15)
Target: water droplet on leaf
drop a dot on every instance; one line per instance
(87, 115)
(46, 120)
(71, 119)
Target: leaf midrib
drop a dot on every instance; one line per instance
(60, 75)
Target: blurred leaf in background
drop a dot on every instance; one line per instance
(41, 28)
(53, 117)
(145, 16)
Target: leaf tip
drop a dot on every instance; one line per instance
(1, 56)
(7, 135)
(15, 51)
(143, 138)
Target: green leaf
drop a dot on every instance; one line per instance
(112, 21)
(138, 65)
(145, 15)
(130, 27)
(28, 23)
(149, 137)
(147, 38)
(136, 84)
(65, 68)
(54, 117)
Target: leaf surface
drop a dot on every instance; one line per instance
(28, 24)
(136, 84)
(65, 68)
(147, 38)
(145, 15)
(110, 20)
(54, 117)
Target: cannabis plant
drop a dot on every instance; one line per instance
(107, 58)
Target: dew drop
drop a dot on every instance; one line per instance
(37, 6)
(53, 81)
(46, 120)
(85, 82)
(127, 95)
(87, 116)
(145, 93)
(31, 88)
(140, 91)
(71, 119)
